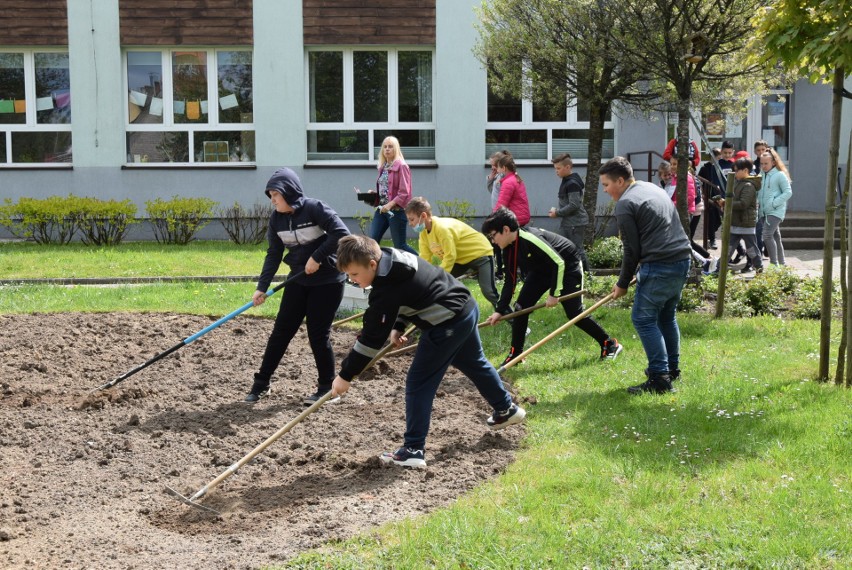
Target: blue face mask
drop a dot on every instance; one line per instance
(419, 227)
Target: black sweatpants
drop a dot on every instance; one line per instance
(533, 290)
(317, 305)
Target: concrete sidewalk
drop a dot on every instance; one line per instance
(808, 262)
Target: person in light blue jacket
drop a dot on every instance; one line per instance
(772, 200)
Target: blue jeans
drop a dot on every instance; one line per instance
(398, 225)
(658, 289)
(455, 343)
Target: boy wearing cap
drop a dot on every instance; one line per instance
(308, 230)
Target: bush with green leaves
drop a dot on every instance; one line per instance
(245, 225)
(176, 221)
(105, 222)
(50, 220)
(364, 221)
(808, 299)
(459, 209)
(606, 253)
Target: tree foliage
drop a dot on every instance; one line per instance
(810, 38)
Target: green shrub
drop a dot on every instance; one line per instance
(105, 222)
(458, 209)
(245, 225)
(179, 219)
(50, 220)
(808, 299)
(364, 221)
(691, 298)
(606, 253)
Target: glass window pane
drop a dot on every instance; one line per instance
(576, 143)
(550, 105)
(775, 122)
(326, 86)
(415, 145)
(370, 80)
(53, 88)
(235, 86)
(153, 146)
(224, 146)
(504, 108)
(41, 147)
(12, 88)
(338, 145)
(145, 82)
(189, 76)
(522, 144)
(415, 86)
(2, 147)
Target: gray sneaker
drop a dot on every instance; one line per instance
(257, 393)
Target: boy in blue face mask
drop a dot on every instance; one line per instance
(458, 246)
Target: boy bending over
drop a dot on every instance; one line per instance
(406, 289)
(549, 263)
(459, 247)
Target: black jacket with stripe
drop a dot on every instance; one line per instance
(406, 289)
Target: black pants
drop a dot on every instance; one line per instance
(316, 305)
(533, 289)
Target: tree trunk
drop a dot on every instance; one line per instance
(840, 371)
(828, 236)
(683, 162)
(595, 150)
(847, 309)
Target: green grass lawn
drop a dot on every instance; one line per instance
(747, 465)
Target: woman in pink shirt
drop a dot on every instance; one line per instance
(513, 192)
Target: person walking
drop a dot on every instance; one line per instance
(571, 211)
(772, 199)
(657, 253)
(393, 187)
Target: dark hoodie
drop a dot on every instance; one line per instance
(571, 208)
(312, 230)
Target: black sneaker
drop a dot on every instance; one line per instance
(404, 456)
(312, 399)
(655, 384)
(258, 392)
(673, 374)
(747, 268)
(610, 349)
(512, 354)
(499, 420)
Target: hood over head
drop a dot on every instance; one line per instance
(287, 183)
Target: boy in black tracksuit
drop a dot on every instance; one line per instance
(550, 263)
(407, 288)
(309, 230)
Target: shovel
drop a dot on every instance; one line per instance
(269, 441)
(196, 336)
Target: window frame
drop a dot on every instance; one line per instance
(168, 123)
(528, 124)
(349, 124)
(31, 124)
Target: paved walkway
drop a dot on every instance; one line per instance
(809, 262)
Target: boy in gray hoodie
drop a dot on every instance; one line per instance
(571, 209)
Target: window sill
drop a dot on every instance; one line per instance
(364, 163)
(188, 166)
(38, 166)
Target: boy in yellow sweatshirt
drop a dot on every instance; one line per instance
(459, 247)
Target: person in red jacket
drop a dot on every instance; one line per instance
(513, 192)
(694, 153)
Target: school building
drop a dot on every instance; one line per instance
(205, 98)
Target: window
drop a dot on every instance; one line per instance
(357, 97)
(35, 108)
(536, 131)
(190, 107)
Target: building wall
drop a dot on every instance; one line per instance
(26, 23)
(96, 33)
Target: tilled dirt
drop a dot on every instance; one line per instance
(83, 476)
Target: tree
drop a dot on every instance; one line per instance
(813, 38)
(554, 53)
(694, 54)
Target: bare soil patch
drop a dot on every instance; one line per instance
(83, 475)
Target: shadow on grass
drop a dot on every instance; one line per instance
(663, 431)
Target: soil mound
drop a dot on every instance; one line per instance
(84, 474)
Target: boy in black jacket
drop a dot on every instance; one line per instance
(309, 230)
(550, 263)
(407, 288)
